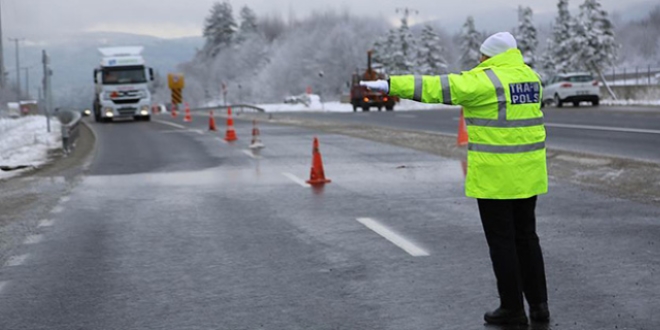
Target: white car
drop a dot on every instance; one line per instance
(571, 88)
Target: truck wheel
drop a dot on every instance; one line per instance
(365, 108)
(146, 118)
(355, 108)
(576, 104)
(389, 108)
(380, 108)
(595, 103)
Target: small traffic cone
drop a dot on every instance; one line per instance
(231, 132)
(462, 131)
(212, 122)
(256, 140)
(188, 117)
(174, 110)
(317, 175)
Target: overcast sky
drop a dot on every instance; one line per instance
(178, 18)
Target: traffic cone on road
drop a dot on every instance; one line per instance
(212, 122)
(188, 117)
(256, 140)
(231, 132)
(462, 131)
(317, 175)
(174, 110)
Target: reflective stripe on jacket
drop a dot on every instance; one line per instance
(501, 99)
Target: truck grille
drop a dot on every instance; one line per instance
(126, 101)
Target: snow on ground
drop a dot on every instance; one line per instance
(25, 141)
(631, 102)
(317, 106)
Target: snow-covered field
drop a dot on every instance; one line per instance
(25, 141)
(316, 106)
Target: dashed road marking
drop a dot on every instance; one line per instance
(33, 239)
(297, 180)
(16, 260)
(169, 124)
(45, 223)
(57, 209)
(605, 128)
(393, 237)
(198, 131)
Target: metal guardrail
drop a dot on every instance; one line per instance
(70, 121)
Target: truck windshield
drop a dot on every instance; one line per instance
(124, 75)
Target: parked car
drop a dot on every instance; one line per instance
(571, 88)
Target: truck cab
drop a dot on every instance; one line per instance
(122, 85)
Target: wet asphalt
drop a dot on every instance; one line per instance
(174, 229)
(624, 132)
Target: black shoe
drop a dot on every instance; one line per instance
(505, 316)
(539, 312)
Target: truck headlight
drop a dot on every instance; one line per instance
(109, 112)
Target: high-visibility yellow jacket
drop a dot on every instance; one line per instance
(501, 99)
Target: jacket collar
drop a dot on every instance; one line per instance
(512, 57)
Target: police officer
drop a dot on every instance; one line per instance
(501, 99)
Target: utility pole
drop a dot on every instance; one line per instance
(18, 67)
(48, 99)
(27, 81)
(3, 74)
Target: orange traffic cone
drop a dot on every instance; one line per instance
(212, 122)
(462, 131)
(231, 132)
(317, 176)
(174, 110)
(188, 117)
(256, 140)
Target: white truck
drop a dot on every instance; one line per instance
(122, 85)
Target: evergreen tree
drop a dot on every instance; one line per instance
(559, 47)
(219, 28)
(248, 21)
(470, 44)
(430, 57)
(403, 50)
(526, 35)
(594, 45)
(381, 51)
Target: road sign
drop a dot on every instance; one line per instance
(176, 81)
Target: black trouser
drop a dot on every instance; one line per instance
(510, 227)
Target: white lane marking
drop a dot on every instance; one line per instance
(222, 140)
(33, 239)
(393, 237)
(198, 131)
(16, 260)
(169, 124)
(45, 223)
(604, 128)
(2, 286)
(250, 154)
(297, 180)
(57, 209)
(65, 199)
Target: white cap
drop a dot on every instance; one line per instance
(498, 43)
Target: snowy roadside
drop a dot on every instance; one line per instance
(317, 106)
(648, 103)
(25, 141)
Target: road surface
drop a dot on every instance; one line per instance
(174, 229)
(627, 132)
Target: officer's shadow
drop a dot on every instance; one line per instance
(533, 326)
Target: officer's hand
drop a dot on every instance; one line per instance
(377, 86)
